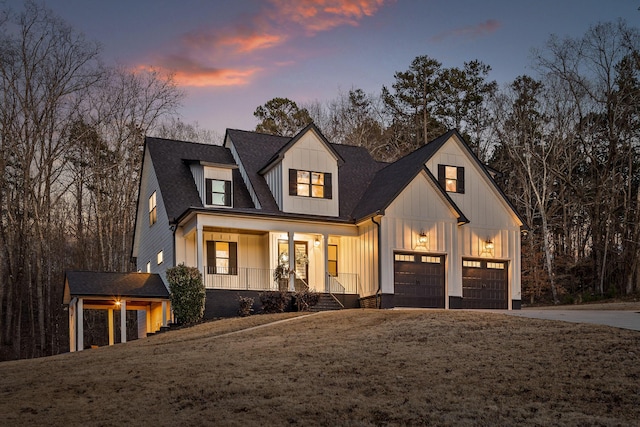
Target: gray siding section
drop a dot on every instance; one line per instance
(198, 176)
(243, 173)
(274, 181)
(157, 237)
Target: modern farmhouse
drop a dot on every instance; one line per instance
(429, 230)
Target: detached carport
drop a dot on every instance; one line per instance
(114, 291)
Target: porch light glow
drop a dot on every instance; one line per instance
(316, 243)
(488, 245)
(118, 303)
(422, 238)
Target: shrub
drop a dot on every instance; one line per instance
(274, 301)
(306, 299)
(187, 293)
(246, 306)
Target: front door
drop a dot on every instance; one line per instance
(300, 261)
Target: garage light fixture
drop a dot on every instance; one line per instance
(488, 245)
(422, 241)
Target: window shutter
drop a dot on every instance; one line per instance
(211, 257)
(328, 193)
(441, 176)
(233, 258)
(293, 182)
(460, 180)
(227, 193)
(208, 200)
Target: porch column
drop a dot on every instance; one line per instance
(72, 324)
(123, 321)
(111, 335)
(80, 325)
(147, 313)
(164, 313)
(199, 252)
(325, 250)
(292, 261)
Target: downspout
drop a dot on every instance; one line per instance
(379, 290)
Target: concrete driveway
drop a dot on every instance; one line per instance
(616, 318)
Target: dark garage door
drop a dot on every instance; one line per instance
(485, 284)
(418, 280)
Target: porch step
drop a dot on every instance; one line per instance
(326, 303)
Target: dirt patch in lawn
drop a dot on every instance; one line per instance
(354, 367)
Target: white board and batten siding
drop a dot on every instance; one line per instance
(275, 182)
(309, 154)
(419, 208)
(157, 237)
(490, 217)
(368, 258)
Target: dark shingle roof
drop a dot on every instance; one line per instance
(170, 161)
(255, 151)
(100, 284)
(365, 185)
(392, 179)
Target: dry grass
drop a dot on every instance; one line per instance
(355, 367)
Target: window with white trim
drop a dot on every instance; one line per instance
(153, 212)
(160, 257)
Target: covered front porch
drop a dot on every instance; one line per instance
(277, 256)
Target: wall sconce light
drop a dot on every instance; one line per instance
(118, 303)
(488, 245)
(316, 243)
(423, 239)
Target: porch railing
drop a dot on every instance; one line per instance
(345, 283)
(262, 279)
(257, 279)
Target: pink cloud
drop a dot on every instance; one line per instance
(322, 15)
(227, 56)
(472, 31)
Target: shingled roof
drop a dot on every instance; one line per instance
(170, 161)
(106, 285)
(366, 186)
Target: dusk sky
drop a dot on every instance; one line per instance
(232, 56)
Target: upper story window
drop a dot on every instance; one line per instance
(160, 257)
(310, 184)
(153, 213)
(451, 178)
(218, 192)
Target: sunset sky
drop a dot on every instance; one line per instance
(231, 56)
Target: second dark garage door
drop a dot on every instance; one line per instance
(485, 284)
(418, 280)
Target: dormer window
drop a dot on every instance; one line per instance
(153, 212)
(218, 192)
(310, 184)
(451, 178)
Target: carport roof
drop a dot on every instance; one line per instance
(109, 285)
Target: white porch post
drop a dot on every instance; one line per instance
(123, 321)
(72, 324)
(292, 262)
(149, 320)
(80, 325)
(111, 335)
(200, 251)
(164, 313)
(325, 250)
